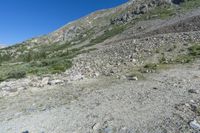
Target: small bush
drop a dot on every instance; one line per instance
(194, 50)
(163, 59)
(198, 110)
(107, 34)
(60, 66)
(151, 67)
(5, 57)
(16, 74)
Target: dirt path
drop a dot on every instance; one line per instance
(107, 105)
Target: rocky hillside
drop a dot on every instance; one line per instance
(56, 52)
(132, 68)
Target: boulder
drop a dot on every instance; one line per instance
(44, 81)
(55, 82)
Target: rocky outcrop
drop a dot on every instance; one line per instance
(136, 11)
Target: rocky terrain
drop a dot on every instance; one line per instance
(130, 69)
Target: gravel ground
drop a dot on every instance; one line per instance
(107, 105)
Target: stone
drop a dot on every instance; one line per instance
(25, 132)
(195, 125)
(9, 89)
(132, 78)
(21, 88)
(109, 130)
(177, 1)
(44, 81)
(55, 82)
(77, 77)
(155, 88)
(194, 91)
(124, 130)
(96, 126)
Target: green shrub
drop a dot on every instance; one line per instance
(151, 67)
(194, 50)
(198, 110)
(107, 34)
(5, 57)
(32, 56)
(190, 4)
(60, 66)
(163, 59)
(16, 74)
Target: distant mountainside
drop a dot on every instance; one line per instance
(1, 46)
(96, 23)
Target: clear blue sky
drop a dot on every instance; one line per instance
(24, 19)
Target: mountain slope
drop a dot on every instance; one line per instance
(101, 33)
(133, 68)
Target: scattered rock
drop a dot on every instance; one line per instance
(195, 125)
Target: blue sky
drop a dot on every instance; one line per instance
(24, 19)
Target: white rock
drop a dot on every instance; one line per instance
(54, 82)
(96, 126)
(77, 77)
(195, 125)
(21, 88)
(44, 81)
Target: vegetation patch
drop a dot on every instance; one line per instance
(198, 110)
(162, 12)
(193, 53)
(189, 4)
(108, 34)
